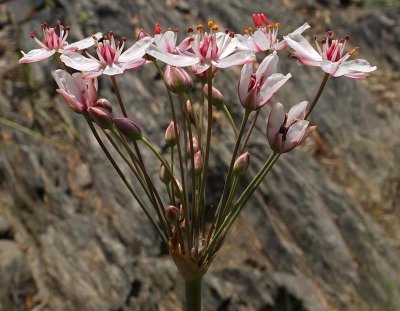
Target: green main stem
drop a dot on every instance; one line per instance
(193, 294)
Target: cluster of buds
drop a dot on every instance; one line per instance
(180, 205)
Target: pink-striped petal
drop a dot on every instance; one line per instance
(275, 121)
(297, 112)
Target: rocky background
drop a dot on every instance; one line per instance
(321, 234)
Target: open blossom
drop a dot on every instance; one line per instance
(286, 131)
(256, 89)
(330, 57)
(203, 50)
(111, 58)
(53, 42)
(265, 37)
(78, 93)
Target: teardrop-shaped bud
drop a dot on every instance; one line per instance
(104, 103)
(129, 128)
(172, 214)
(241, 163)
(170, 134)
(164, 174)
(101, 116)
(196, 145)
(177, 79)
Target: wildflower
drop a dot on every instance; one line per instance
(78, 93)
(215, 48)
(265, 37)
(330, 57)
(286, 131)
(256, 89)
(53, 42)
(111, 60)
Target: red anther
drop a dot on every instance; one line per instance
(315, 37)
(226, 31)
(329, 33)
(67, 28)
(157, 29)
(264, 19)
(110, 33)
(190, 30)
(257, 20)
(32, 34)
(323, 41)
(44, 25)
(105, 37)
(123, 39)
(341, 41)
(231, 34)
(346, 37)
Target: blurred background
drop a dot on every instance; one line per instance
(322, 233)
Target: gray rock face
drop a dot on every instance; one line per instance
(322, 233)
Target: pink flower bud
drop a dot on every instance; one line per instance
(170, 135)
(177, 79)
(198, 162)
(241, 163)
(101, 116)
(172, 214)
(217, 97)
(105, 104)
(164, 174)
(129, 128)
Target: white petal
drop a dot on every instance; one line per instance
(304, 51)
(84, 43)
(136, 51)
(330, 67)
(271, 85)
(60, 76)
(226, 44)
(268, 66)
(299, 30)
(297, 112)
(244, 80)
(357, 68)
(113, 69)
(261, 40)
(294, 135)
(177, 60)
(79, 62)
(166, 41)
(199, 68)
(275, 121)
(35, 55)
(238, 58)
(134, 64)
(242, 43)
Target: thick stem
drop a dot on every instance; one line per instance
(193, 294)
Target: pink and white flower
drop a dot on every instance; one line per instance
(265, 37)
(111, 60)
(256, 89)
(53, 42)
(330, 57)
(217, 49)
(78, 93)
(286, 131)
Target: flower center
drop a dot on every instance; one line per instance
(51, 40)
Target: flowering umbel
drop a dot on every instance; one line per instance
(192, 223)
